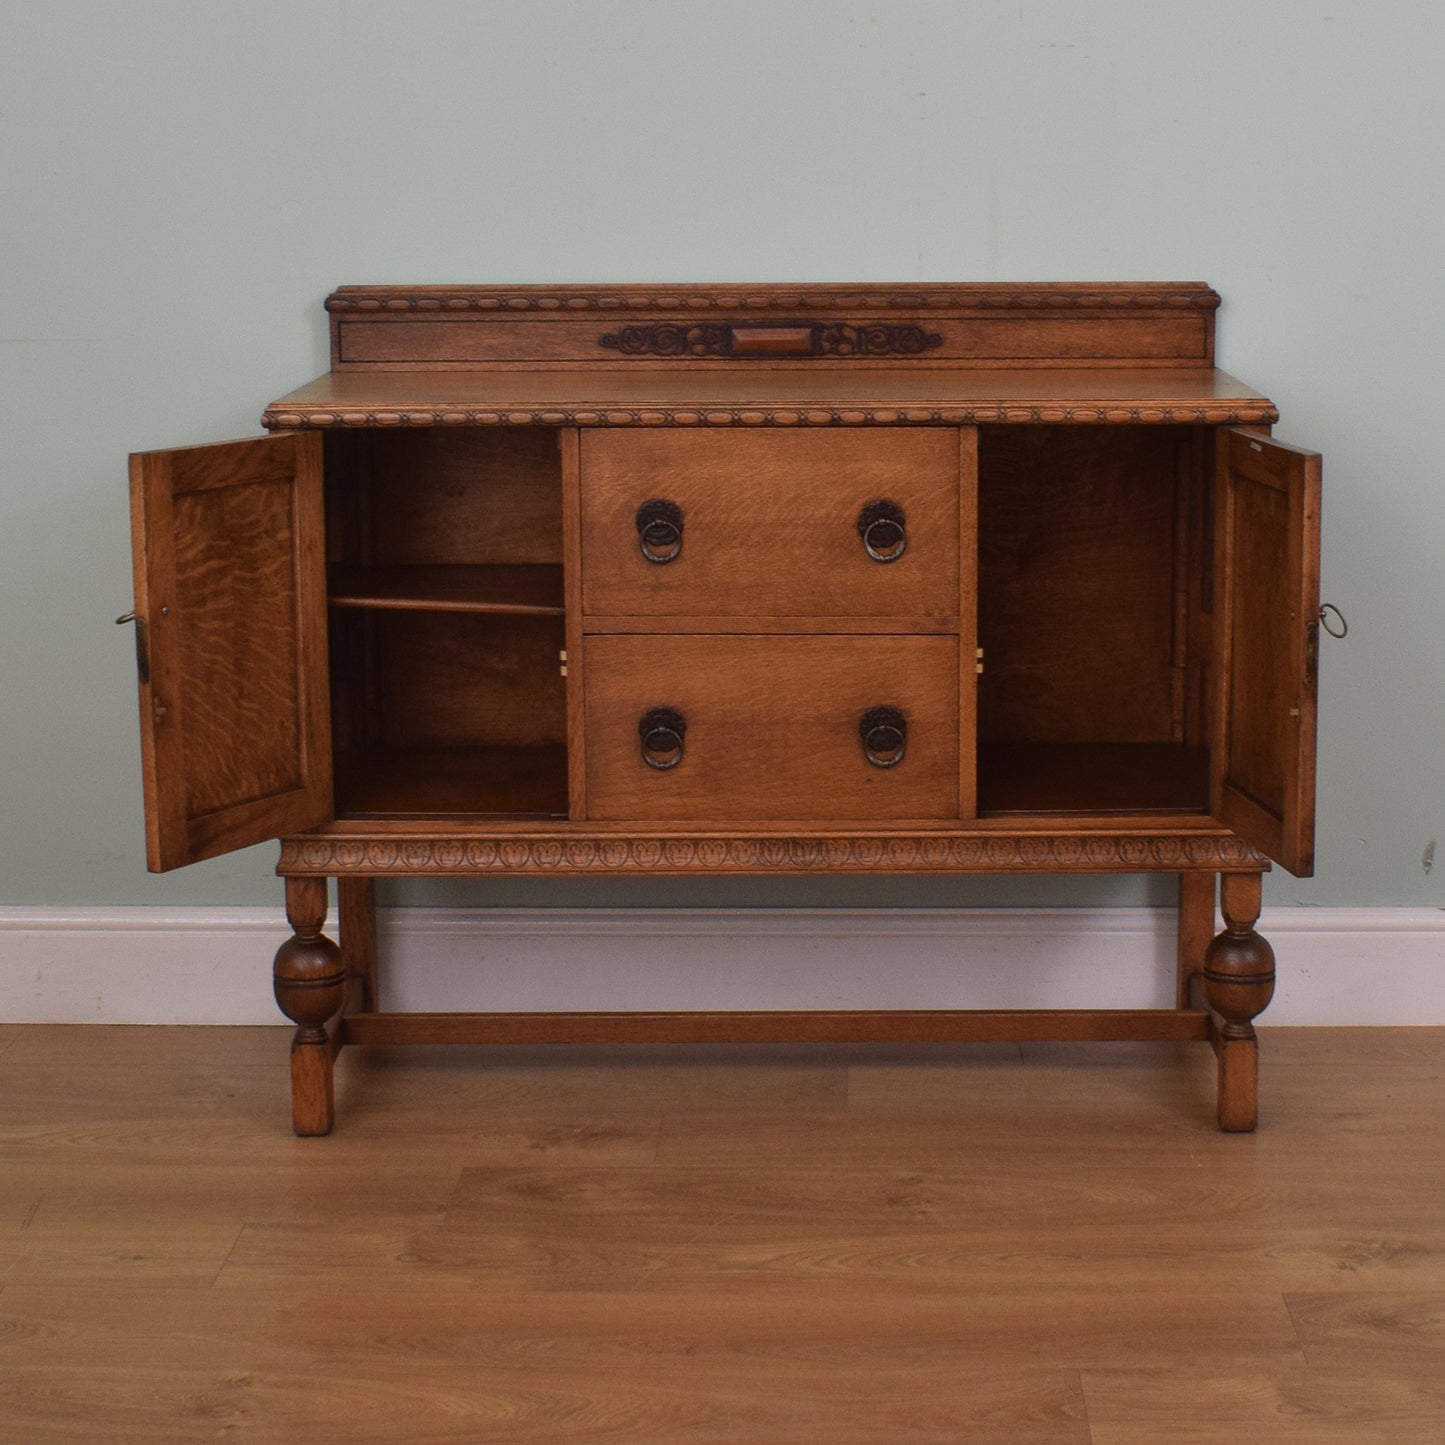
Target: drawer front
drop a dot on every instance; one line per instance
(770, 727)
(766, 524)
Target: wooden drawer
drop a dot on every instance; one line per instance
(770, 525)
(771, 726)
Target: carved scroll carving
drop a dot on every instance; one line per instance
(682, 340)
(670, 339)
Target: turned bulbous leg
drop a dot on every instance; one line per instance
(1238, 985)
(309, 980)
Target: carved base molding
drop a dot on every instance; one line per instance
(978, 852)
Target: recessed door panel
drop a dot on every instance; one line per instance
(231, 605)
(1268, 538)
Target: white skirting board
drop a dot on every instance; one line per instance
(212, 966)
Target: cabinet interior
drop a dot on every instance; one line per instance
(1095, 558)
(444, 554)
(1094, 611)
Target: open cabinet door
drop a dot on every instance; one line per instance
(230, 583)
(1268, 555)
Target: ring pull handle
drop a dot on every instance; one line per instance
(1344, 629)
(660, 731)
(881, 526)
(884, 731)
(659, 529)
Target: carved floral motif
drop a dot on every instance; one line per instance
(681, 340)
(670, 339)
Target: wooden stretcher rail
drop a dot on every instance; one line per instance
(782, 1026)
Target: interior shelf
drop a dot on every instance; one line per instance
(530, 590)
(509, 782)
(1100, 778)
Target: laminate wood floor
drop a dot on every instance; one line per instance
(788, 1246)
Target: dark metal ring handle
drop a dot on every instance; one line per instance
(884, 731)
(881, 526)
(1343, 629)
(659, 529)
(661, 731)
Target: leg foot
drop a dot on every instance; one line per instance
(309, 985)
(1238, 985)
(313, 1093)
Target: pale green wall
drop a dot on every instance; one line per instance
(183, 182)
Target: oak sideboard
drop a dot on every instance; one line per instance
(788, 580)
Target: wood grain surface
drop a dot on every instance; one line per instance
(464, 497)
(1076, 584)
(1268, 563)
(227, 542)
(770, 523)
(862, 397)
(825, 1245)
(772, 726)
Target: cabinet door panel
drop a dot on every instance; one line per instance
(231, 593)
(1268, 543)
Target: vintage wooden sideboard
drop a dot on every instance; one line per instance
(741, 580)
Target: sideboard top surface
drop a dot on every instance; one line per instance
(712, 397)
